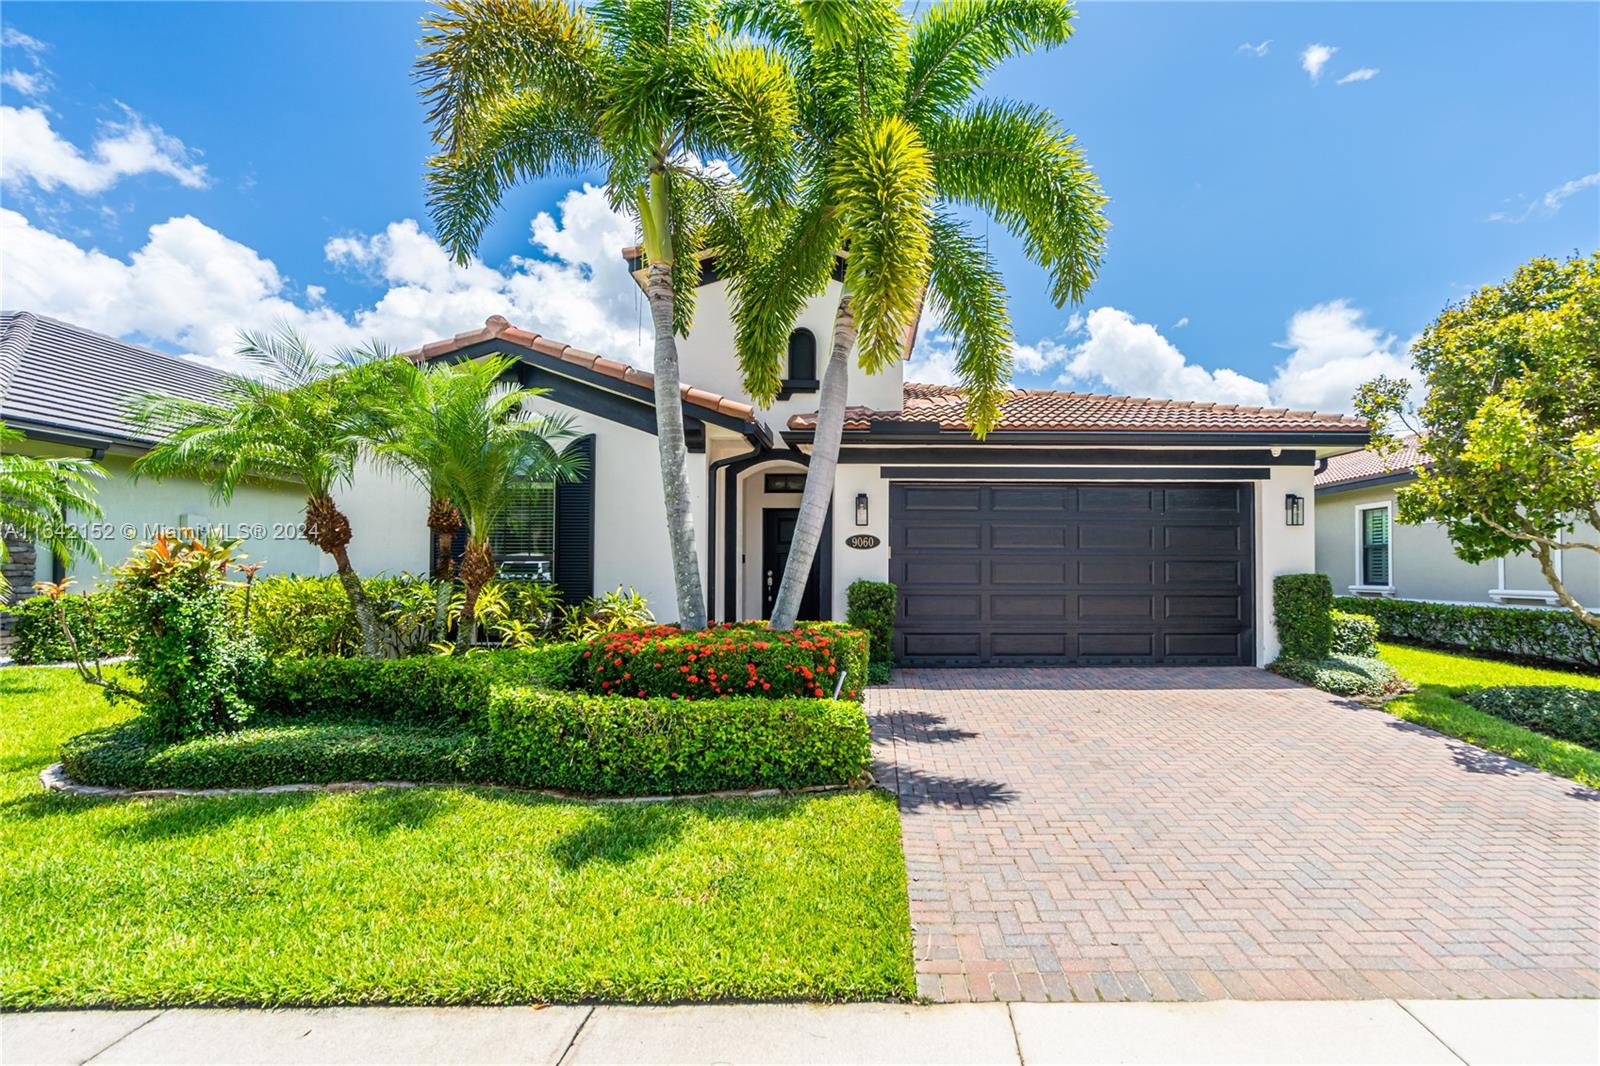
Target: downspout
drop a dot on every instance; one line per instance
(711, 516)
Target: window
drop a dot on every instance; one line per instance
(523, 539)
(1374, 566)
(802, 375)
(785, 483)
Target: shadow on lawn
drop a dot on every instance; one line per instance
(617, 833)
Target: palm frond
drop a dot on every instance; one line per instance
(957, 43)
(967, 295)
(39, 495)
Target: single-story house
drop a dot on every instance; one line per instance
(66, 389)
(1084, 529)
(1363, 547)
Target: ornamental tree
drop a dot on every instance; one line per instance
(1510, 428)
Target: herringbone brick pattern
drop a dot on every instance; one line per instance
(1181, 834)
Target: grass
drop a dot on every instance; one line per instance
(1441, 676)
(428, 895)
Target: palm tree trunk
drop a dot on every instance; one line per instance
(674, 451)
(477, 570)
(328, 528)
(820, 473)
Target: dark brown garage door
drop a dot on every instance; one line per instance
(1072, 573)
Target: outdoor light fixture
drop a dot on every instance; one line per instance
(861, 508)
(1294, 510)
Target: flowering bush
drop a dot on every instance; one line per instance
(738, 659)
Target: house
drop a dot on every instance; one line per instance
(66, 389)
(1367, 552)
(1082, 529)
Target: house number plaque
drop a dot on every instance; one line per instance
(862, 540)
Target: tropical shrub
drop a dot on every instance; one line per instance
(1343, 675)
(1354, 634)
(98, 619)
(300, 617)
(612, 612)
(1300, 607)
(1548, 635)
(1554, 710)
(743, 658)
(869, 606)
(613, 745)
(197, 669)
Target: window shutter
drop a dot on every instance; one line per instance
(802, 356)
(1375, 546)
(574, 567)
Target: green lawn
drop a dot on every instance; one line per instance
(428, 895)
(1441, 675)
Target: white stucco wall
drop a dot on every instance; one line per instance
(1280, 547)
(388, 515)
(852, 564)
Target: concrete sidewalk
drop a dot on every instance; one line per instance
(1228, 1031)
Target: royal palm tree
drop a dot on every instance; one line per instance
(38, 497)
(895, 142)
(468, 435)
(642, 89)
(303, 422)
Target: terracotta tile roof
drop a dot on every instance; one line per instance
(1367, 463)
(497, 327)
(1043, 409)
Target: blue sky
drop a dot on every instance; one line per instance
(173, 172)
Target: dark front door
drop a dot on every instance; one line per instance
(1092, 573)
(777, 533)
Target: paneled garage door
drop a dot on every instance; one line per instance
(1092, 573)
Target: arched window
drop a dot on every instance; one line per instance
(802, 376)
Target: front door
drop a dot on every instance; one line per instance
(777, 533)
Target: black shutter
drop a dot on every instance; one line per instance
(574, 565)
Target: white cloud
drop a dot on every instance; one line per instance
(24, 82)
(932, 360)
(1359, 74)
(1184, 321)
(1550, 202)
(11, 37)
(1132, 357)
(1257, 50)
(35, 153)
(193, 288)
(1314, 58)
(1332, 351)
(27, 82)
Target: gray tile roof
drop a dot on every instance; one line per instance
(58, 377)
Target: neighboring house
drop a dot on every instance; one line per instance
(1367, 552)
(1083, 529)
(66, 388)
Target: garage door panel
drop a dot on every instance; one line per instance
(1072, 573)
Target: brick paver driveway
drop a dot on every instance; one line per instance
(1188, 834)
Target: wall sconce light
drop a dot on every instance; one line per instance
(861, 508)
(1294, 510)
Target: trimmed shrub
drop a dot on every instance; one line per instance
(1529, 633)
(744, 658)
(1354, 634)
(1343, 675)
(870, 607)
(1300, 606)
(611, 745)
(1554, 710)
(878, 673)
(301, 617)
(127, 756)
(434, 689)
(98, 619)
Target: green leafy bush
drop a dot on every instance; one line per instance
(612, 745)
(301, 617)
(1554, 710)
(1343, 675)
(869, 606)
(616, 611)
(99, 620)
(436, 689)
(744, 658)
(878, 673)
(1550, 636)
(1354, 634)
(128, 756)
(1300, 607)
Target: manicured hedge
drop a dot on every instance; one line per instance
(1552, 636)
(1300, 606)
(869, 606)
(1343, 675)
(38, 637)
(1354, 634)
(126, 756)
(739, 659)
(623, 746)
(1554, 710)
(421, 689)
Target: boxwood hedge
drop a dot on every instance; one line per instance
(1552, 636)
(1554, 710)
(1343, 675)
(1354, 634)
(99, 621)
(1300, 606)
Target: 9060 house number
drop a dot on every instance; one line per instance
(862, 540)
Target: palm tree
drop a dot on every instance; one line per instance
(894, 144)
(38, 496)
(467, 435)
(645, 89)
(304, 423)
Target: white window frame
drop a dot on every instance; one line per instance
(1360, 587)
(1500, 594)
